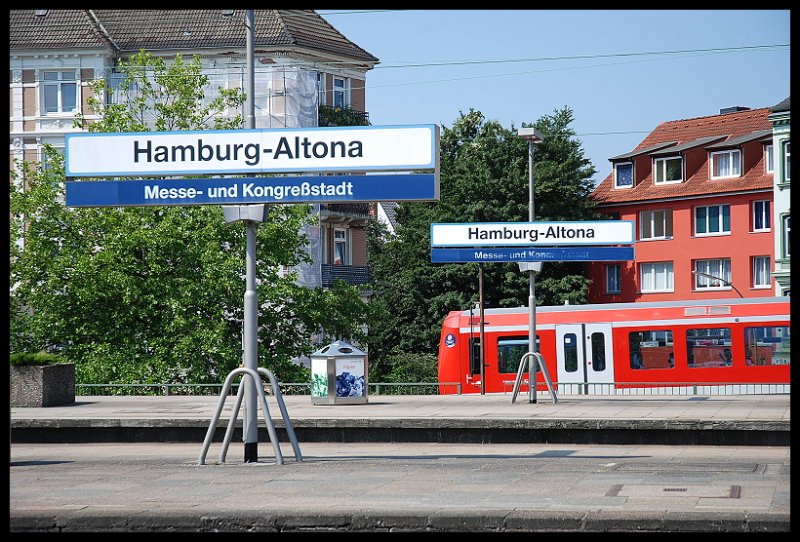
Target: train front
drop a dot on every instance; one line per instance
(451, 344)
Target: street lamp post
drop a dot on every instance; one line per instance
(532, 136)
(723, 281)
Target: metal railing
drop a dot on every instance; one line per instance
(287, 388)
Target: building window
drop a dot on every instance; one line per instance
(712, 274)
(656, 277)
(709, 347)
(769, 158)
(787, 161)
(726, 164)
(340, 247)
(712, 220)
(668, 170)
(761, 216)
(655, 224)
(612, 278)
(651, 349)
(761, 272)
(59, 92)
(340, 98)
(623, 175)
(321, 87)
(786, 236)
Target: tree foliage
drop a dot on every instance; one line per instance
(484, 178)
(155, 294)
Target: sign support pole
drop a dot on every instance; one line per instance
(532, 136)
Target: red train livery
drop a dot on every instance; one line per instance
(623, 345)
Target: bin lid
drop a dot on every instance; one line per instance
(338, 349)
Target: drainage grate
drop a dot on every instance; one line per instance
(677, 489)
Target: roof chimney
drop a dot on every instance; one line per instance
(733, 109)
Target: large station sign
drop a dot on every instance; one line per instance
(282, 150)
(503, 234)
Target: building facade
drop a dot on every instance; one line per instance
(304, 70)
(781, 145)
(700, 194)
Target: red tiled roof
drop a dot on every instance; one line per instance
(133, 29)
(733, 125)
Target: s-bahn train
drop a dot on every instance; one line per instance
(605, 348)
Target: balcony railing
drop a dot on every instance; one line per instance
(353, 275)
(329, 115)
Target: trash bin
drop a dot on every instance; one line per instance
(339, 375)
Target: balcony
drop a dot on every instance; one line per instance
(329, 115)
(353, 275)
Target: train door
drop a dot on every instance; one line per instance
(584, 358)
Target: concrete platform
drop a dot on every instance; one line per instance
(762, 420)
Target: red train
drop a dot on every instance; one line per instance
(607, 347)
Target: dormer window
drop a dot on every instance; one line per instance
(623, 175)
(726, 164)
(668, 170)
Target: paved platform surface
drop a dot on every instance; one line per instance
(400, 487)
(406, 463)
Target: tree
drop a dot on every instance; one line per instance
(148, 295)
(484, 178)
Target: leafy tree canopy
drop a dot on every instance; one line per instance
(150, 295)
(484, 178)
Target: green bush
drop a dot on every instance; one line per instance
(35, 358)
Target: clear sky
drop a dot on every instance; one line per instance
(622, 72)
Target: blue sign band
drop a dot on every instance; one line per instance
(229, 191)
(504, 254)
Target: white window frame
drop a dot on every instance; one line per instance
(321, 96)
(660, 170)
(655, 269)
(787, 152)
(720, 216)
(340, 238)
(762, 270)
(786, 224)
(612, 278)
(716, 267)
(344, 91)
(735, 164)
(765, 213)
(59, 84)
(651, 218)
(616, 176)
(769, 158)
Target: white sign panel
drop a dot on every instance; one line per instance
(350, 148)
(499, 234)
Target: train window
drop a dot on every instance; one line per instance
(766, 346)
(510, 351)
(598, 351)
(709, 347)
(570, 352)
(652, 349)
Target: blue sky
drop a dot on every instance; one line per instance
(705, 60)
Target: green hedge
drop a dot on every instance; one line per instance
(37, 358)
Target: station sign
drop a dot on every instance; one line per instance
(498, 234)
(281, 150)
(548, 254)
(250, 190)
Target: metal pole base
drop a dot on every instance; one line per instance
(251, 452)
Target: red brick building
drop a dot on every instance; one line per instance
(699, 192)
